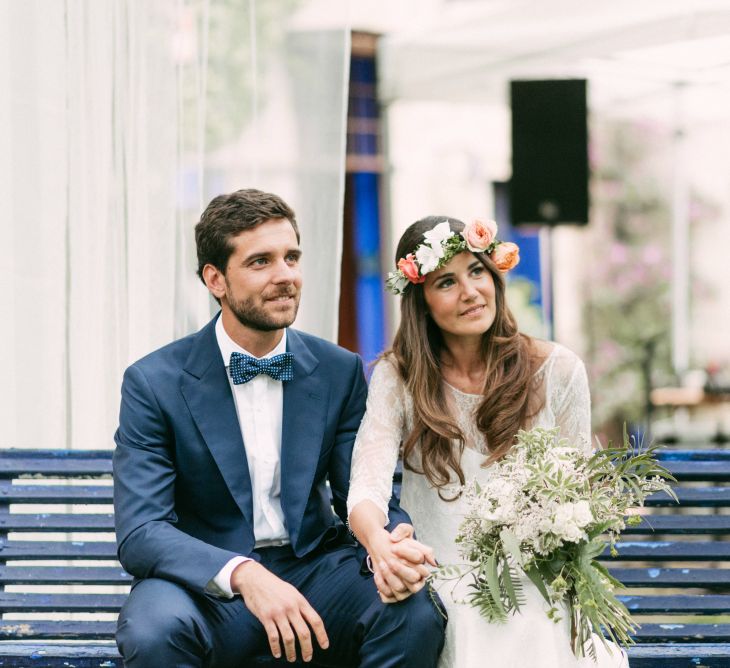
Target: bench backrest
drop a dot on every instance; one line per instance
(56, 530)
(674, 564)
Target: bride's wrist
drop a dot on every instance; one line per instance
(374, 539)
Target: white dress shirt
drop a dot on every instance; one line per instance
(259, 406)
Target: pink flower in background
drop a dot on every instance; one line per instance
(652, 254)
(618, 254)
(506, 256)
(609, 352)
(479, 234)
(409, 268)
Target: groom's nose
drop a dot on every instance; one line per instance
(286, 273)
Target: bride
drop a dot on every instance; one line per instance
(458, 384)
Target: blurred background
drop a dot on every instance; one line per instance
(596, 134)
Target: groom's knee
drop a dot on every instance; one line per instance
(422, 614)
(426, 612)
(159, 624)
(408, 634)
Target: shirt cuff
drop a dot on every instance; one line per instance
(220, 585)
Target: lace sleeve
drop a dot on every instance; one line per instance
(570, 398)
(378, 440)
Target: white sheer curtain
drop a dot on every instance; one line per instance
(119, 120)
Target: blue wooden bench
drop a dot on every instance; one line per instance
(675, 566)
(668, 563)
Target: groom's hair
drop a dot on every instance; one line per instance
(227, 216)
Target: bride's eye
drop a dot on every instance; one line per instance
(478, 271)
(447, 282)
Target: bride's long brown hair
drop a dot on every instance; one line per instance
(417, 350)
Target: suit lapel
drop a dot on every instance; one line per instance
(304, 415)
(208, 395)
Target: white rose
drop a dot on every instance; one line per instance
(563, 515)
(572, 533)
(428, 258)
(582, 513)
(438, 234)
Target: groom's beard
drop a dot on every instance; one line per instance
(252, 312)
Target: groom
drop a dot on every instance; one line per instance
(226, 441)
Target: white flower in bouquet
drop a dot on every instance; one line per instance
(550, 509)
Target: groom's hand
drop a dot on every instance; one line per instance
(282, 610)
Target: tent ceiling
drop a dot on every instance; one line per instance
(636, 55)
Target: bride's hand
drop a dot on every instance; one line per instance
(399, 563)
(413, 551)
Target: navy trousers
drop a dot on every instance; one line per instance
(164, 625)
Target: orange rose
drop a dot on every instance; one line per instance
(479, 234)
(409, 268)
(506, 256)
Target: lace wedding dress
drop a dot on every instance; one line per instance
(529, 638)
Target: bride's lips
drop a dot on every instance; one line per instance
(474, 310)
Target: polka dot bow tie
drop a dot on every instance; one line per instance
(244, 367)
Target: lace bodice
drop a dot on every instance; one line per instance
(561, 381)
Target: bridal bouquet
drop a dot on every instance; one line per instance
(549, 509)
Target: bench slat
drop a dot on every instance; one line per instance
(680, 656)
(699, 497)
(10, 493)
(699, 470)
(677, 605)
(42, 629)
(48, 453)
(680, 550)
(22, 655)
(708, 578)
(54, 467)
(56, 549)
(63, 575)
(656, 633)
(681, 524)
(695, 455)
(57, 522)
(22, 602)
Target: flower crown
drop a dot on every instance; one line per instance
(441, 244)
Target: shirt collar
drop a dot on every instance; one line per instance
(227, 345)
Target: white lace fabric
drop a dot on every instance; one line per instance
(561, 381)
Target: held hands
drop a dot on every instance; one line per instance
(284, 612)
(399, 562)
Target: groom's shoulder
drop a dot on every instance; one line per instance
(169, 358)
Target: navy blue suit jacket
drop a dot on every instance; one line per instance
(182, 491)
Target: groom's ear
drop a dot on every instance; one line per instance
(215, 280)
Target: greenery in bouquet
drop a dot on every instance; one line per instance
(549, 509)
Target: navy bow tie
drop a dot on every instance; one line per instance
(244, 367)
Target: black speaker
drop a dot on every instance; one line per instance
(549, 152)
